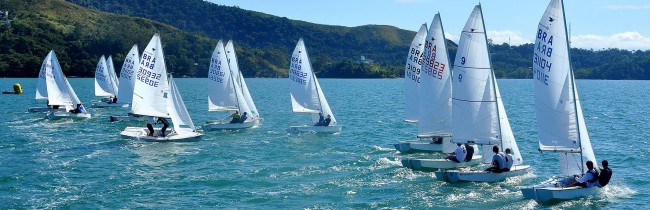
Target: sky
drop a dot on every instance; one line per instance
(594, 24)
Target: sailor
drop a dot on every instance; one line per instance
(243, 118)
(498, 161)
(589, 179)
(327, 120)
(165, 125)
(470, 152)
(605, 174)
(321, 119)
(509, 160)
(459, 154)
(235, 117)
(150, 122)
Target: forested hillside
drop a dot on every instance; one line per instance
(190, 28)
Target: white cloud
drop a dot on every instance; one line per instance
(627, 40)
(627, 7)
(507, 36)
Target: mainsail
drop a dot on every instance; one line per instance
(412, 74)
(151, 88)
(561, 125)
(435, 83)
(128, 76)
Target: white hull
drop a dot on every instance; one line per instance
(557, 190)
(129, 117)
(105, 105)
(226, 125)
(411, 121)
(141, 134)
(431, 165)
(317, 129)
(44, 109)
(415, 146)
(63, 114)
(426, 144)
(480, 176)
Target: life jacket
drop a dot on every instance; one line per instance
(594, 176)
(470, 153)
(500, 160)
(604, 176)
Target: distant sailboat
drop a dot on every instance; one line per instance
(60, 93)
(157, 96)
(412, 75)
(105, 83)
(479, 116)
(434, 112)
(225, 91)
(561, 124)
(127, 76)
(307, 95)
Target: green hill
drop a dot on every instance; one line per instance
(80, 36)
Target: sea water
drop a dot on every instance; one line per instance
(86, 164)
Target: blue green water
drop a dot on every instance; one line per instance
(86, 164)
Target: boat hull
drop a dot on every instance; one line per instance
(558, 190)
(63, 114)
(431, 165)
(317, 129)
(226, 125)
(140, 133)
(107, 105)
(413, 147)
(43, 109)
(480, 176)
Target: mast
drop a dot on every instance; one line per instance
(233, 84)
(573, 88)
(494, 81)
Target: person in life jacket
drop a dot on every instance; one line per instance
(590, 178)
(498, 161)
(509, 159)
(459, 154)
(605, 174)
(470, 152)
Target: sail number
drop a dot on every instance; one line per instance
(295, 71)
(215, 73)
(127, 69)
(145, 71)
(542, 56)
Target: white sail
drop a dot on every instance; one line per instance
(127, 76)
(507, 137)
(111, 72)
(412, 74)
(57, 86)
(46, 71)
(234, 66)
(474, 100)
(103, 81)
(306, 94)
(73, 97)
(560, 122)
(221, 94)
(435, 83)
(151, 86)
(178, 112)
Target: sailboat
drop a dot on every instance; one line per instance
(60, 93)
(307, 95)
(225, 91)
(561, 124)
(127, 83)
(155, 95)
(479, 116)
(41, 85)
(435, 96)
(412, 75)
(234, 66)
(105, 83)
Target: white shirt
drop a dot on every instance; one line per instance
(150, 120)
(461, 153)
(509, 161)
(585, 178)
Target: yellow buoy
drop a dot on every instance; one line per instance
(18, 89)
